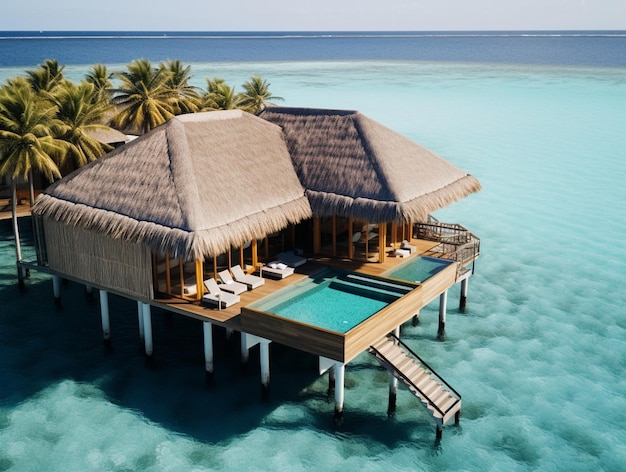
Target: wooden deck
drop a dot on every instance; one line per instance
(5, 209)
(339, 347)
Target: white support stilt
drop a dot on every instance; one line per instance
(104, 314)
(207, 330)
(463, 301)
(264, 347)
(248, 341)
(326, 364)
(56, 289)
(140, 319)
(443, 302)
(245, 348)
(340, 372)
(147, 328)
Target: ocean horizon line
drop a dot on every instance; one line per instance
(277, 34)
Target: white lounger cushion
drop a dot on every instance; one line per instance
(217, 296)
(229, 285)
(407, 246)
(252, 281)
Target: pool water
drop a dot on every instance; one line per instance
(418, 269)
(333, 300)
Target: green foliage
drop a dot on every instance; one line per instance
(46, 120)
(256, 95)
(100, 78)
(186, 97)
(144, 98)
(46, 77)
(79, 112)
(26, 140)
(219, 96)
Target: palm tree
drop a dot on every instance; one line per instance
(186, 98)
(26, 143)
(47, 77)
(80, 112)
(219, 96)
(256, 95)
(100, 78)
(144, 97)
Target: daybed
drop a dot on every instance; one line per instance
(291, 258)
(276, 270)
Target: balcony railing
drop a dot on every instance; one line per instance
(456, 242)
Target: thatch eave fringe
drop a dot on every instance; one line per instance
(190, 245)
(376, 211)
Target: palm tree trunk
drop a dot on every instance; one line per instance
(31, 186)
(36, 235)
(16, 231)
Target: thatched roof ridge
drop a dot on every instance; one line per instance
(350, 165)
(193, 187)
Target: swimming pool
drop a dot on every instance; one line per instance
(418, 269)
(333, 299)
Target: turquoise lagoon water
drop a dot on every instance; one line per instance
(539, 356)
(333, 300)
(418, 269)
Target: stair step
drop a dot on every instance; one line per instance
(383, 343)
(432, 389)
(447, 403)
(383, 348)
(419, 377)
(424, 382)
(440, 397)
(413, 371)
(404, 363)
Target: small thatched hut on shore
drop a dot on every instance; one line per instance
(204, 184)
(109, 136)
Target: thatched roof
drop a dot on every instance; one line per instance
(350, 165)
(108, 136)
(193, 187)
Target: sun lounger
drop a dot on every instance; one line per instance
(252, 281)
(401, 253)
(217, 297)
(229, 285)
(291, 258)
(405, 245)
(276, 270)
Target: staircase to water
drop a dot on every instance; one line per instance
(439, 399)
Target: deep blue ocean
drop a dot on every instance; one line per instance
(539, 356)
(588, 48)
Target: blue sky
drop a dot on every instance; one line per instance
(289, 15)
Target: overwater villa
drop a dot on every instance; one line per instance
(305, 227)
